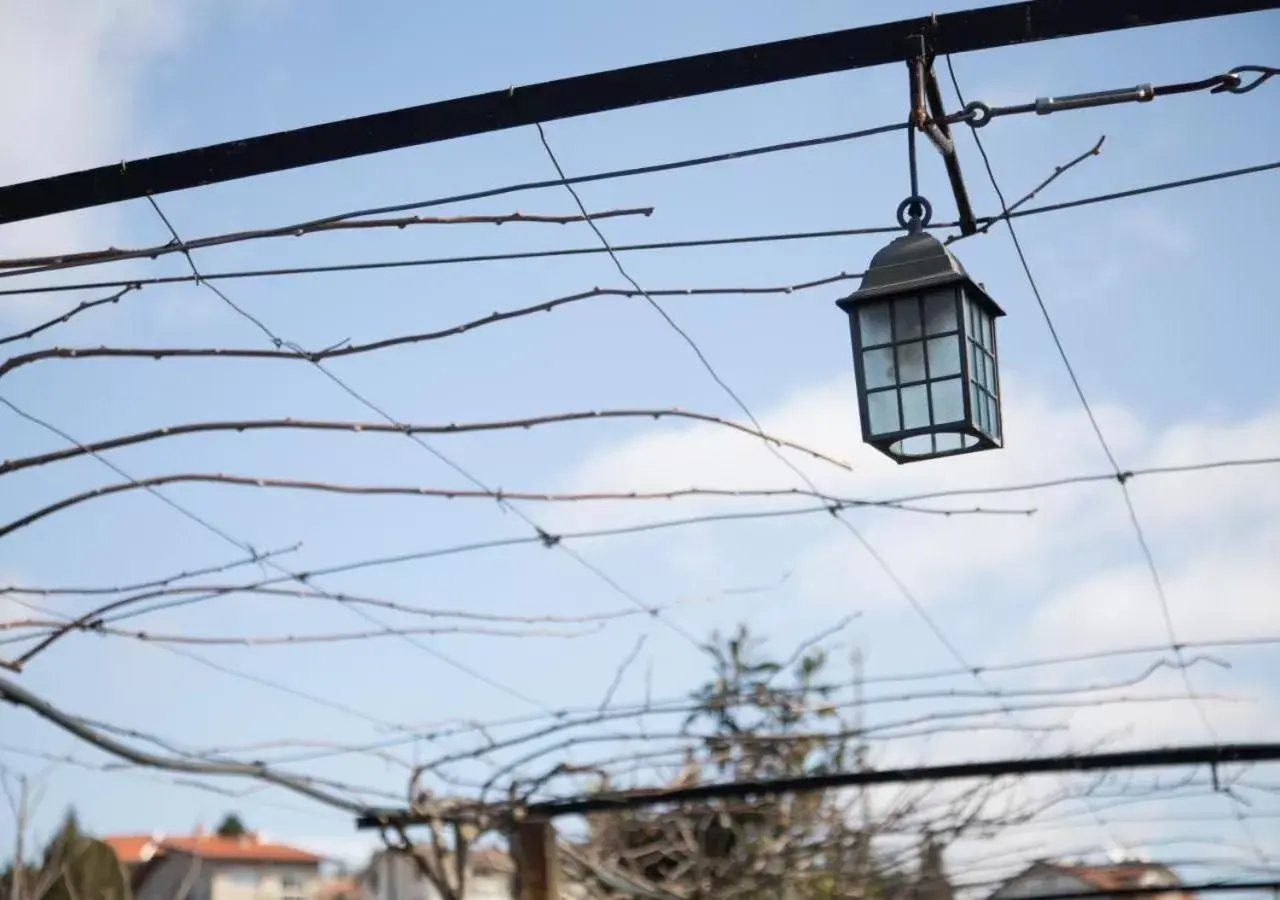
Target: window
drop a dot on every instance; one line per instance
(291, 886)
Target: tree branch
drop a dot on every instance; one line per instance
(463, 494)
(656, 414)
(33, 264)
(67, 316)
(20, 696)
(402, 340)
(1058, 172)
(269, 640)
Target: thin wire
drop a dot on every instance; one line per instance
(1145, 547)
(547, 538)
(1223, 82)
(248, 548)
(219, 667)
(662, 524)
(180, 247)
(627, 248)
(857, 534)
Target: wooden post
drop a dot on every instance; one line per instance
(537, 861)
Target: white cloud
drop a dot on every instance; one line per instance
(75, 68)
(1071, 547)
(1069, 579)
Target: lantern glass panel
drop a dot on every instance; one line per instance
(944, 355)
(911, 362)
(920, 445)
(882, 412)
(947, 397)
(915, 407)
(947, 441)
(873, 319)
(906, 318)
(940, 312)
(879, 369)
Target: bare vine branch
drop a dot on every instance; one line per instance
(20, 696)
(84, 306)
(400, 340)
(46, 626)
(464, 494)
(33, 264)
(520, 424)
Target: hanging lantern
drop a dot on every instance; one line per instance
(924, 351)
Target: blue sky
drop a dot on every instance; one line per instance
(1165, 303)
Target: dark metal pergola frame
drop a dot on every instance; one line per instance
(821, 54)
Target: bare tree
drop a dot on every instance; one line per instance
(768, 720)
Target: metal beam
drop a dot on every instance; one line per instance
(854, 48)
(1211, 755)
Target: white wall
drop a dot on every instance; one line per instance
(396, 877)
(245, 881)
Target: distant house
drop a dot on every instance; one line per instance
(1047, 878)
(337, 889)
(205, 867)
(394, 876)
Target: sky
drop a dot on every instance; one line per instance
(1165, 304)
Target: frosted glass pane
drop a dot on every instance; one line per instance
(987, 340)
(976, 406)
(940, 312)
(948, 400)
(882, 412)
(920, 445)
(993, 419)
(915, 407)
(944, 356)
(911, 362)
(874, 321)
(977, 364)
(947, 441)
(906, 319)
(878, 368)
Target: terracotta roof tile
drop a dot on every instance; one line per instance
(237, 849)
(1119, 876)
(131, 848)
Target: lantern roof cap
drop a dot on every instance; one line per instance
(910, 263)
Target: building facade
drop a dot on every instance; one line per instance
(394, 876)
(205, 867)
(1046, 878)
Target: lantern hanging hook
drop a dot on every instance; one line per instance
(915, 213)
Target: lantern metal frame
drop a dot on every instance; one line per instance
(927, 301)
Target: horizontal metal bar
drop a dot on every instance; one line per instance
(1130, 759)
(1143, 93)
(854, 48)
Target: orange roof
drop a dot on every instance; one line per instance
(238, 849)
(130, 848)
(1121, 875)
